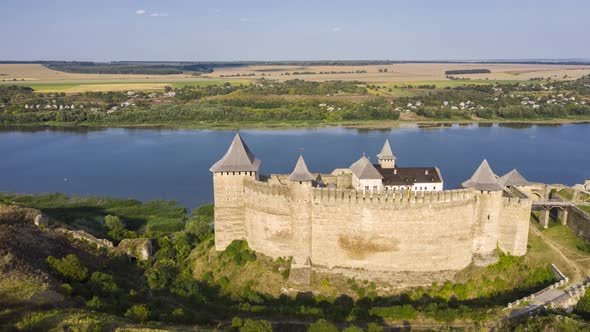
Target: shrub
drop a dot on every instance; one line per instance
(223, 282)
(205, 212)
(178, 315)
(161, 274)
(66, 289)
(237, 322)
(114, 223)
(102, 283)
(138, 313)
(406, 312)
(94, 303)
(239, 252)
(322, 325)
(256, 326)
(198, 228)
(68, 267)
(374, 327)
(583, 306)
(352, 329)
(208, 277)
(164, 225)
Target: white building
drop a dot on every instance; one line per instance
(389, 177)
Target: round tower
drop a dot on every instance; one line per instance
(487, 213)
(229, 173)
(300, 189)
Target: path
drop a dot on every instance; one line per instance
(578, 271)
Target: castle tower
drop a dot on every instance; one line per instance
(229, 174)
(300, 188)
(487, 213)
(385, 157)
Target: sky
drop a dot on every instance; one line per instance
(259, 30)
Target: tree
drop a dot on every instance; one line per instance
(322, 325)
(68, 267)
(114, 223)
(138, 313)
(103, 284)
(256, 326)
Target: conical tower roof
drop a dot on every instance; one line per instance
(301, 172)
(363, 169)
(386, 152)
(513, 178)
(483, 179)
(237, 158)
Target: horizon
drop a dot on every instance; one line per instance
(262, 30)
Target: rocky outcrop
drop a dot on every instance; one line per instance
(81, 235)
(138, 248)
(10, 213)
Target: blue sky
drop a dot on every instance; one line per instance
(292, 30)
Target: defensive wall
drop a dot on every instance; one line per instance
(342, 229)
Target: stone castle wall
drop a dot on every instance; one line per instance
(427, 232)
(514, 225)
(345, 229)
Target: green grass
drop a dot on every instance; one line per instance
(566, 193)
(585, 208)
(88, 212)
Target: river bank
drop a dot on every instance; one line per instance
(363, 124)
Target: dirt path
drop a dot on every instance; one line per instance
(579, 272)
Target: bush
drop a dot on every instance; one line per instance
(239, 252)
(322, 325)
(374, 327)
(256, 326)
(583, 306)
(114, 222)
(68, 267)
(66, 289)
(94, 303)
(164, 225)
(237, 322)
(102, 283)
(161, 274)
(352, 329)
(138, 313)
(406, 312)
(178, 315)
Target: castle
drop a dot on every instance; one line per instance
(375, 221)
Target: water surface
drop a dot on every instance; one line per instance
(151, 164)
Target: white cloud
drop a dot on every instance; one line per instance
(336, 29)
(159, 14)
(140, 12)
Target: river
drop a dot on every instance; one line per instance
(149, 164)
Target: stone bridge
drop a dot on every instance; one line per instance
(546, 206)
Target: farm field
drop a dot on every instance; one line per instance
(43, 79)
(408, 72)
(123, 85)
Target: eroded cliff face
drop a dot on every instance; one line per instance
(10, 213)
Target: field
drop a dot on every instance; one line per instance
(43, 79)
(407, 72)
